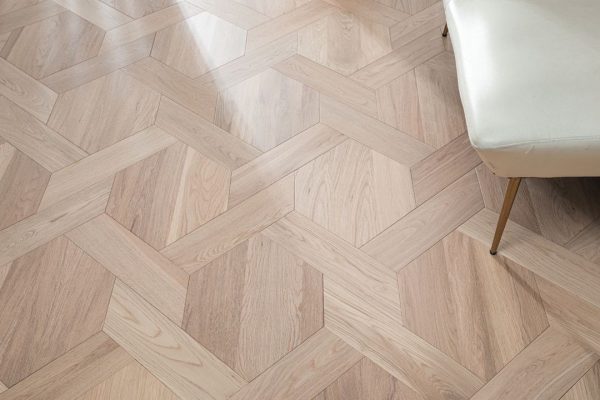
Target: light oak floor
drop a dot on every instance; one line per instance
(272, 199)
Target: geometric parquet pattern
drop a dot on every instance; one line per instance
(272, 199)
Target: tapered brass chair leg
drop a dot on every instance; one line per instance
(445, 32)
(509, 199)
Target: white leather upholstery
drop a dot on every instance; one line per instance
(529, 79)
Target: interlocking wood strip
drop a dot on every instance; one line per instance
(105, 163)
(26, 91)
(417, 25)
(96, 12)
(304, 372)
(2, 387)
(135, 263)
(74, 373)
(586, 243)
(427, 224)
(203, 136)
(376, 11)
(53, 221)
(588, 387)
(232, 11)
(226, 231)
(101, 65)
(26, 133)
(183, 365)
(29, 15)
(280, 161)
(546, 369)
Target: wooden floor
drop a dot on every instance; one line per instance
(272, 199)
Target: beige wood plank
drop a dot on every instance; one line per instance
(26, 91)
(418, 24)
(546, 369)
(101, 65)
(135, 263)
(148, 24)
(287, 23)
(2, 387)
(252, 63)
(304, 372)
(361, 305)
(200, 99)
(375, 11)
(401, 60)
(4, 37)
(96, 12)
(330, 83)
(586, 243)
(8, 6)
(372, 133)
(434, 173)
(53, 221)
(28, 15)
(29, 135)
(105, 164)
(280, 161)
(427, 224)
(541, 256)
(203, 136)
(226, 231)
(139, 8)
(74, 373)
(183, 365)
(587, 388)
(232, 11)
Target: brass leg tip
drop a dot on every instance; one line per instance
(493, 252)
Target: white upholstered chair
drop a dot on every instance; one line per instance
(529, 80)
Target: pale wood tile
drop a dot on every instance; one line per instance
(443, 167)
(7, 6)
(169, 194)
(75, 40)
(2, 387)
(409, 6)
(373, 133)
(229, 298)
(139, 8)
(587, 388)
(104, 111)
(332, 41)
(354, 192)
(26, 91)
(330, 83)
(75, 372)
(361, 305)
(586, 242)
(201, 99)
(199, 44)
(419, 24)
(29, 135)
(4, 37)
(375, 11)
(100, 65)
(287, 23)
(223, 233)
(96, 12)
(280, 161)
(105, 163)
(183, 365)
(234, 12)
(252, 63)
(135, 263)
(267, 109)
(303, 373)
(61, 217)
(148, 24)
(22, 184)
(8, 41)
(47, 293)
(401, 60)
(203, 136)
(273, 8)
(452, 301)
(26, 12)
(545, 370)
(427, 224)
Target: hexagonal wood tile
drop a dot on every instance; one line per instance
(139, 8)
(253, 305)
(273, 8)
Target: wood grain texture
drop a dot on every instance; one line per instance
(304, 372)
(223, 233)
(363, 192)
(73, 373)
(376, 11)
(104, 164)
(253, 305)
(135, 263)
(183, 365)
(427, 224)
(273, 8)
(96, 12)
(25, 13)
(45, 293)
(233, 11)
(281, 161)
(587, 388)
(586, 242)
(419, 23)
(139, 8)
(544, 370)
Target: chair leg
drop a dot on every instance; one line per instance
(445, 32)
(509, 198)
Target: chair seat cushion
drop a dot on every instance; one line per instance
(529, 79)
